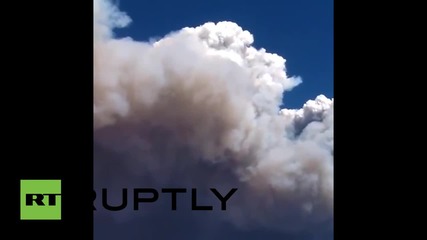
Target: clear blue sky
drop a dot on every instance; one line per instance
(301, 31)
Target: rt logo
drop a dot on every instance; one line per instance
(40, 199)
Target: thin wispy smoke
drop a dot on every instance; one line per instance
(201, 106)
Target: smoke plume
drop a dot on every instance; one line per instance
(201, 107)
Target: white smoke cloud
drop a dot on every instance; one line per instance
(205, 95)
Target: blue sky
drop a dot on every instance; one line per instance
(300, 31)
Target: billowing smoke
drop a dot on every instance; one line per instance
(201, 107)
